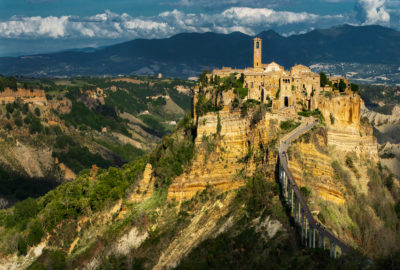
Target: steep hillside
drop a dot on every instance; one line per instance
(49, 135)
(382, 110)
(187, 55)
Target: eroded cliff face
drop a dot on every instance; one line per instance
(26, 159)
(387, 132)
(311, 167)
(346, 130)
(228, 147)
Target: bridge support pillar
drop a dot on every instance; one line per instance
(313, 245)
(305, 231)
(292, 211)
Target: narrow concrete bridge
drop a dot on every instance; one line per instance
(311, 230)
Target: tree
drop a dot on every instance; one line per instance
(10, 108)
(354, 87)
(342, 85)
(37, 111)
(203, 77)
(18, 122)
(25, 108)
(35, 126)
(323, 79)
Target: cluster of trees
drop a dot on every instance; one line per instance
(9, 82)
(75, 156)
(32, 218)
(341, 86)
(17, 111)
(174, 153)
(205, 105)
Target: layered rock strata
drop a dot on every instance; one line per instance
(228, 148)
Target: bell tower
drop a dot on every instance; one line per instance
(257, 53)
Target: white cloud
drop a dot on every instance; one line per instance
(109, 25)
(373, 12)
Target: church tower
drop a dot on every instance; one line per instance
(257, 53)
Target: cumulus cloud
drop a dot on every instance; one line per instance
(115, 26)
(373, 12)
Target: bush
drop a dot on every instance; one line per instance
(354, 87)
(64, 141)
(258, 115)
(397, 209)
(35, 233)
(37, 112)
(289, 125)
(8, 126)
(25, 108)
(18, 122)
(204, 105)
(57, 260)
(387, 155)
(22, 246)
(241, 92)
(35, 126)
(305, 192)
(10, 108)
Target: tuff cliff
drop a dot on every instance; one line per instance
(346, 129)
(229, 148)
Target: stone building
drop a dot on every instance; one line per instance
(296, 87)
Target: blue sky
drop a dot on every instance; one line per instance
(35, 26)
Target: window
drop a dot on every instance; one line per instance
(257, 44)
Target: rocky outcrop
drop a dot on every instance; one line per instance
(228, 147)
(346, 131)
(35, 96)
(145, 187)
(387, 130)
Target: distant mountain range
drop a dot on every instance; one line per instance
(188, 54)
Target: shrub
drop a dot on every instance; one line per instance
(22, 246)
(57, 260)
(305, 192)
(35, 126)
(241, 92)
(258, 115)
(25, 108)
(354, 87)
(37, 111)
(8, 126)
(397, 209)
(35, 233)
(387, 155)
(204, 105)
(10, 107)
(289, 125)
